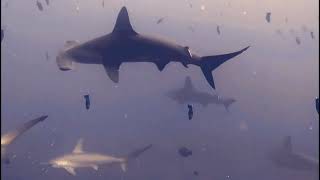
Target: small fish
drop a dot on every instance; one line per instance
(87, 99)
(190, 112)
(298, 41)
(102, 3)
(268, 17)
(312, 34)
(40, 7)
(218, 30)
(196, 173)
(184, 152)
(160, 20)
(47, 1)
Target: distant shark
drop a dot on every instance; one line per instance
(125, 45)
(286, 157)
(80, 159)
(11, 136)
(188, 94)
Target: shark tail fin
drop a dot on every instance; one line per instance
(123, 24)
(287, 144)
(133, 155)
(209, 63)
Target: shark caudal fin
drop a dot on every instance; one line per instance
(133, 155)
(123, 24)
(209, 63)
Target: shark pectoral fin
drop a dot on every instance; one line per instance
(112, 71)
(123, 166)
(95, 167)
(70, 170)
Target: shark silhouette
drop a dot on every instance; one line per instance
(124, 45)
(287, 158)
(11, 136)
(81, 159)
(188, 94)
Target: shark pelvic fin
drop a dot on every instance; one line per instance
(95, 167)
(112, 71)
(79, 147)
(123, 165)
(70, 170)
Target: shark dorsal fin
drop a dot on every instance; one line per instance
(123, 23)
(78, 148)
(187, 83)
(287, 144)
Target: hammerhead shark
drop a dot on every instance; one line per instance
(286, 157)
(9, 137)
(80, 159)
(125, 45)
(189, 94)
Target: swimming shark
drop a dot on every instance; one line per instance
(189, 94)
(81, 159)
(286, 157)
(9, 137)
(125, 45)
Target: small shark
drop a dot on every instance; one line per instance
(188, 94)
(286, 157)
(125, 45)
(80, 159)
(10, 137)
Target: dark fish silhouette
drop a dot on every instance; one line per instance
(160, 20)
(11, 136)
(2, 34)
(40, 7)
(47, 1)
(317, 104)
(218, 30)
(125, 45)
(102, 3)
(87, 99)
(268, 17)
(284, 156)
(190, 111)
(298, 41)
(312, 34)
(188, 94)
(184, 152)
(196, 173)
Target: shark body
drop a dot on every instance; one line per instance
(80, 159)
(11, 136)
(188, 94)
(287, 158)
(125, 45)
